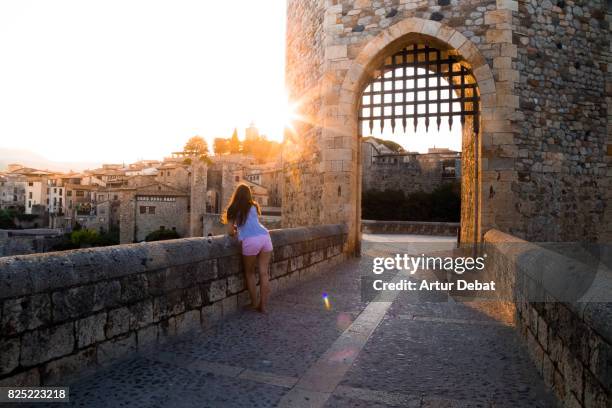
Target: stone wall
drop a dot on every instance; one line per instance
(410, 173)
(356, 35)
(65, 312)
(410, 227)
(541, 165)
(561, 145)
(568, 333)
(172, 215)
(21, 242)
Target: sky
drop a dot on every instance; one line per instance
(123, 80)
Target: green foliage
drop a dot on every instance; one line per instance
(221, 145)
(162, 235)
(7, 218)
(262, 149)
(234, 144)
(84, 237)
(443, 205)
(26, 217)
(196, 145)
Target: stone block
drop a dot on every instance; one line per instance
(600, 363)
(496, 36)
(71, 303)
(133, 288)
(118, 322)
(107, 295)
(212, 314)
(25, 313)
(279, 268)
(457, 40)
(193, 297)
(507, 5)
(43, 345)
(499, 16)
(90, 329)
(9, 355)
(111, 350)
(57, 371)
(229, 265)
(141, 314)
(572, 372)
(188, 321)
(168, 305)
(214, 291)
(206, 271)
(595, 395)
(335, 52)
(235, 284)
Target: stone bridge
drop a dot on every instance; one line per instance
(162, 324)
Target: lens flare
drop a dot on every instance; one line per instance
(326, 301)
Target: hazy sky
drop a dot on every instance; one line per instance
(121, 80)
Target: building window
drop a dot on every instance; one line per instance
(60, 191)
(30, 195)
(69, 193)
(80, 193)
(151, 210)
(143, 209)
(29, 204)
(30, 184)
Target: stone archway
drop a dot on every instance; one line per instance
(413, 30)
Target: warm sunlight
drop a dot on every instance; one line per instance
(80, 78)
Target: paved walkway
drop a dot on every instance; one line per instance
(418, 350)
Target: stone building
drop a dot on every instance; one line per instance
(12, 190)
(149, 208)
(537, 135)
(407, 171)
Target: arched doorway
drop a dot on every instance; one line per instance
(423, 85)
(480, 214)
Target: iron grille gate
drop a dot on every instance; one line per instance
(409, 86)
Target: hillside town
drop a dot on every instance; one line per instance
(183, 193)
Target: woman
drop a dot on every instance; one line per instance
(242, 219)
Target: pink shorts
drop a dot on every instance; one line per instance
(254, 245)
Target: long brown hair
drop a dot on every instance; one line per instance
(240, 205)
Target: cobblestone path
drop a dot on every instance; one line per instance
(418, 350)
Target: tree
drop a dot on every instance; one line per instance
(196, 145)
(234, 143)
(221, 145)
(162, 235)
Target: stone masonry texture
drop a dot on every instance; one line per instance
(540, 167)
(61, 313)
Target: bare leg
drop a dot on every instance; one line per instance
(263, 260)
(249, 276)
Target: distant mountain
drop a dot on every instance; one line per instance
(29, 159)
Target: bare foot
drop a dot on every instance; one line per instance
(252, 308)
(262, 310)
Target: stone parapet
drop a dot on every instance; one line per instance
(65, 312)
(562, 312)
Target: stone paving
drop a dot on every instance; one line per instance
(421, 349)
